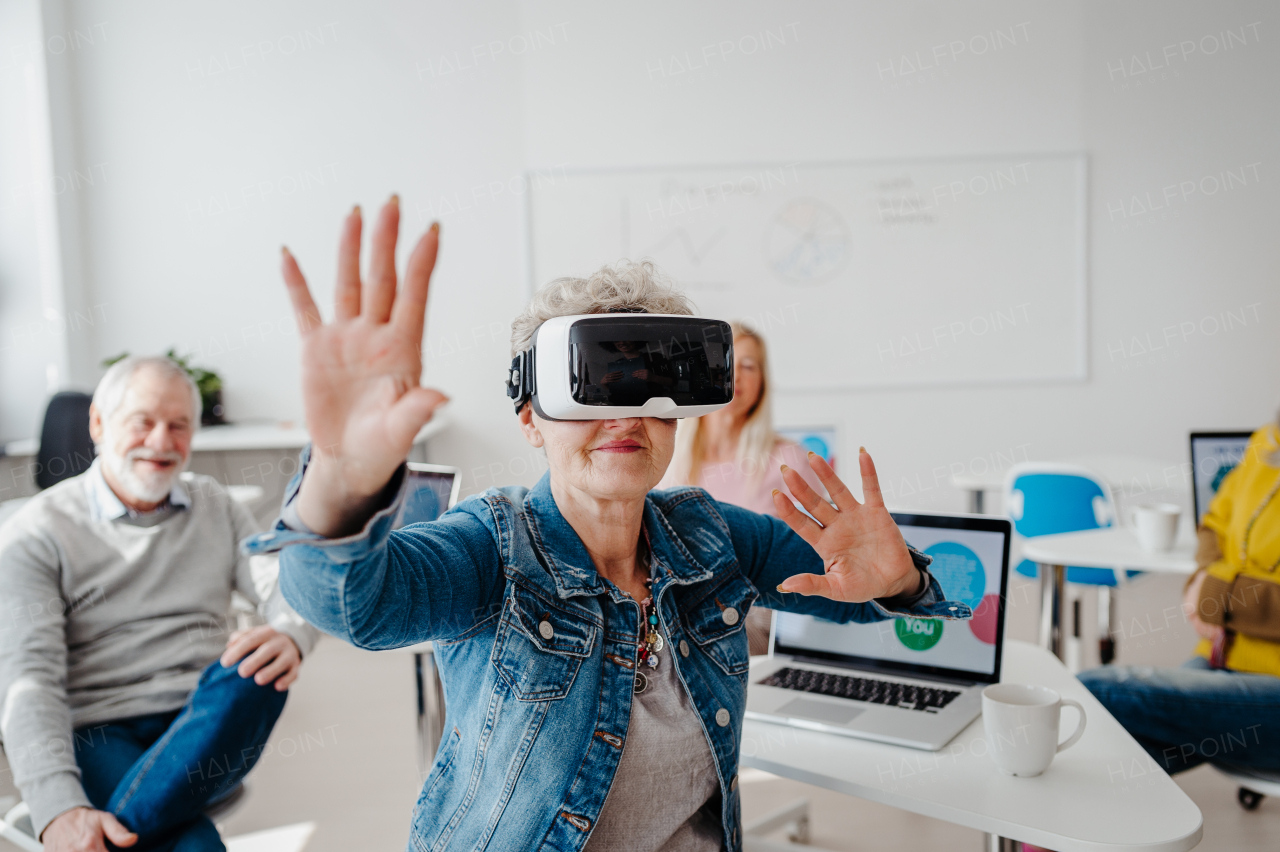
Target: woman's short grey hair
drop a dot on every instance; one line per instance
(111, 388)
(624, 287)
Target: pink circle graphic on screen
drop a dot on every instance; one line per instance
(983, 623)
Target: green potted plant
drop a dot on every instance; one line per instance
(208, 382)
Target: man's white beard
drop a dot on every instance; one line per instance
(152, 487)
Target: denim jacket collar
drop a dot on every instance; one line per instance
(571, 567)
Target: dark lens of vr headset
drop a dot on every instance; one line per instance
(628, 361)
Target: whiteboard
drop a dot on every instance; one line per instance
(859, 274)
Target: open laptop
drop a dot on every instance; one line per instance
(1213, 456)
(433, 490)
(910, 682)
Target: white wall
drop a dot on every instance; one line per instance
(180, 243)
(840, 89)
(228, 129)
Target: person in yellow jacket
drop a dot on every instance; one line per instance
(1223, 705)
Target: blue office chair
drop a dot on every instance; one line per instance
(1043, 498)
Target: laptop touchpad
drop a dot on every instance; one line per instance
(820, 710)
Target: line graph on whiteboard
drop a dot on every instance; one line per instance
(867, 274)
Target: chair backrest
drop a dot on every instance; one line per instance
(66, 450)
(1042, 498)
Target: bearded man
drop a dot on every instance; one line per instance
(125, 715)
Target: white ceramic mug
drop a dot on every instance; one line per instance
(1156, 526)
(1022, 722)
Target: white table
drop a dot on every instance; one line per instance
(262, 454)
(1104, 794)
(1119, 471)
(1113, 547)
(246, 435)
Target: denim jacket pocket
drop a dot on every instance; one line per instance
(539, 646)
(717, 623)
(444, 760)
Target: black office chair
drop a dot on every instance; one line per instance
(66, 450)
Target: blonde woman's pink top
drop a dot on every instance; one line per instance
(730, 482)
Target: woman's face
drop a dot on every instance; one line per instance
(748, 377)
(606, 459)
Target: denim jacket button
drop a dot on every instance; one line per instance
(684, 648)
(546, 631)
(730, 616)
(722, 717)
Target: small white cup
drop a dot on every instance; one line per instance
(1156, 526)
(1022, 722)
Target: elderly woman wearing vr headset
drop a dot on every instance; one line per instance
(589, 631)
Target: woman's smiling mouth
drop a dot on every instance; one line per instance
(623, 446)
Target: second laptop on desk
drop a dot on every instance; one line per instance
(907, 681)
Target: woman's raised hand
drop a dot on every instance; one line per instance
(360, 372)
(861, 548)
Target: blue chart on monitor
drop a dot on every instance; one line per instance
(959, 571)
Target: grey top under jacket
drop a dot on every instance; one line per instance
(666, 776)
(107, 614)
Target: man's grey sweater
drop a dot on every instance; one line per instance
(106, 615)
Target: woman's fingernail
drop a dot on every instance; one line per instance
(395, 199)
(284, 251)
(812, 453)
(435, 226)
(862, 449)
(784, 468)
(355, 210)
(776, 491)
(780, 588)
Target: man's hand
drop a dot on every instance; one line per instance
(1191, 606)
(275, 656)
(860, 545)
(361, 373)
(83, 830)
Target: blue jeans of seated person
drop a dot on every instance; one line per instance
(158, 773)
(1190, 715)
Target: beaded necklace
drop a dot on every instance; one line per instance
(651, 641)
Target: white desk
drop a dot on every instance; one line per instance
(246, 435)
(260, 454)
(1121, 472)
(1113, 547)
(1104, 794)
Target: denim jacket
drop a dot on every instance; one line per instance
(538, 653)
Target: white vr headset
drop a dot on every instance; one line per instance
(606, 366)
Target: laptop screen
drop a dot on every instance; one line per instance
(1213, 456)
(433, 489)
(970, 561)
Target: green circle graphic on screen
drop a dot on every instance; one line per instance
(918, 634)
(959, 571)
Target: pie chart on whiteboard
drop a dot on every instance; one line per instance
(807, 242)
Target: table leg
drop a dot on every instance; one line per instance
(430, 709)
(1106, 625)
(1053, 581)
(996, 843)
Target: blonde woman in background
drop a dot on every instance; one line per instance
(735, 454)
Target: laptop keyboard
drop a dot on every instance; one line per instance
(885, 692)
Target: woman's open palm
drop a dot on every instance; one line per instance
(860, 545)
(361, 372)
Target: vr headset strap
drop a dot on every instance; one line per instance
(520, 382)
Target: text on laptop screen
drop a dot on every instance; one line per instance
(968, 564)
(428, 497)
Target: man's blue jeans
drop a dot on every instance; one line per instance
(1186, 716)
(158, 773)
